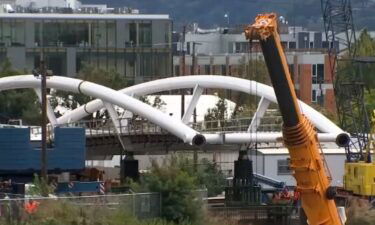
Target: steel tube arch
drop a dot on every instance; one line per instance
(206, 81)
(176, 127)
(246, 138)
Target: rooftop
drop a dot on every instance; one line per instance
(47, 16)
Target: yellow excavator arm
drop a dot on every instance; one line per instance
(299, 135)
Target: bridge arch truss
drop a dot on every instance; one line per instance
(126, 98)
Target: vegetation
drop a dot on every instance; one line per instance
(40, 187)
(18, 104)
(365, 47)
(64, 212)
(219, 112)
(178, 182)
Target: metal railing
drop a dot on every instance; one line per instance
(105, 127)
(268, 124)
(129, 126)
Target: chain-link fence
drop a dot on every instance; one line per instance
(141, 205)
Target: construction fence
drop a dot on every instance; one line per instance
(141, 205)
(259, 214)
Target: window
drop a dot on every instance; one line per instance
(292, 45)
(177, 70)
(283, 167)
(291, 71)
(237, 47)
(317, 73)
(313, 96)
(99, 34)
(12, 33)
(223, 70)
(145, 34)
(206, 69)
(311, 44)
(188, 48)
(132, 35)
(241, 47)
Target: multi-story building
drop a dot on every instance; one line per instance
(228, 53)
(134, 45)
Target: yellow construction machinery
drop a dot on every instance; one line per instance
(359, 176)
(299, 134)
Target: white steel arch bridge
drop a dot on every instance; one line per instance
(127, 99)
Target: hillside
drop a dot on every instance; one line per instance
(210, 13)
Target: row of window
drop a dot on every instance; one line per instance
(205, 69)
(243, 47)
(150, 64)
(78, 33)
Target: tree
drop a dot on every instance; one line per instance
(176, 187)
(208, 175)
(365, 47)
(178, 182)
(219, 112)
(216, 116)
(18, 104)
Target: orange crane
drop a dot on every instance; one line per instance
(299, 134)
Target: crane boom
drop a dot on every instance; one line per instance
(299, 135)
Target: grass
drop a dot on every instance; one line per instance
(53, 212)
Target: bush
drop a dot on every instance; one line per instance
(176, 187)
(178, 181)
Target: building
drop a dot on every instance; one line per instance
(134, 45)
(274, 163)
(222, 52)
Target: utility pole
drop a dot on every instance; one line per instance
(183, 70)
(194, 62)
(43, 73)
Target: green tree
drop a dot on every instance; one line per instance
(18, 104)
(176, 187)
(215, 117)
(365, 47)
(208, 175)
(219, 112)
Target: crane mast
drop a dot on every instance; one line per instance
(299, 135)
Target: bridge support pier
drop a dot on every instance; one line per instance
(129, 168)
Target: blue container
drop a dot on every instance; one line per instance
(19, 156)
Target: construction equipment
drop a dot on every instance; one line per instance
(244, 190)
(349, 93)
(359, 176)
(299, 135)
(348, 83)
